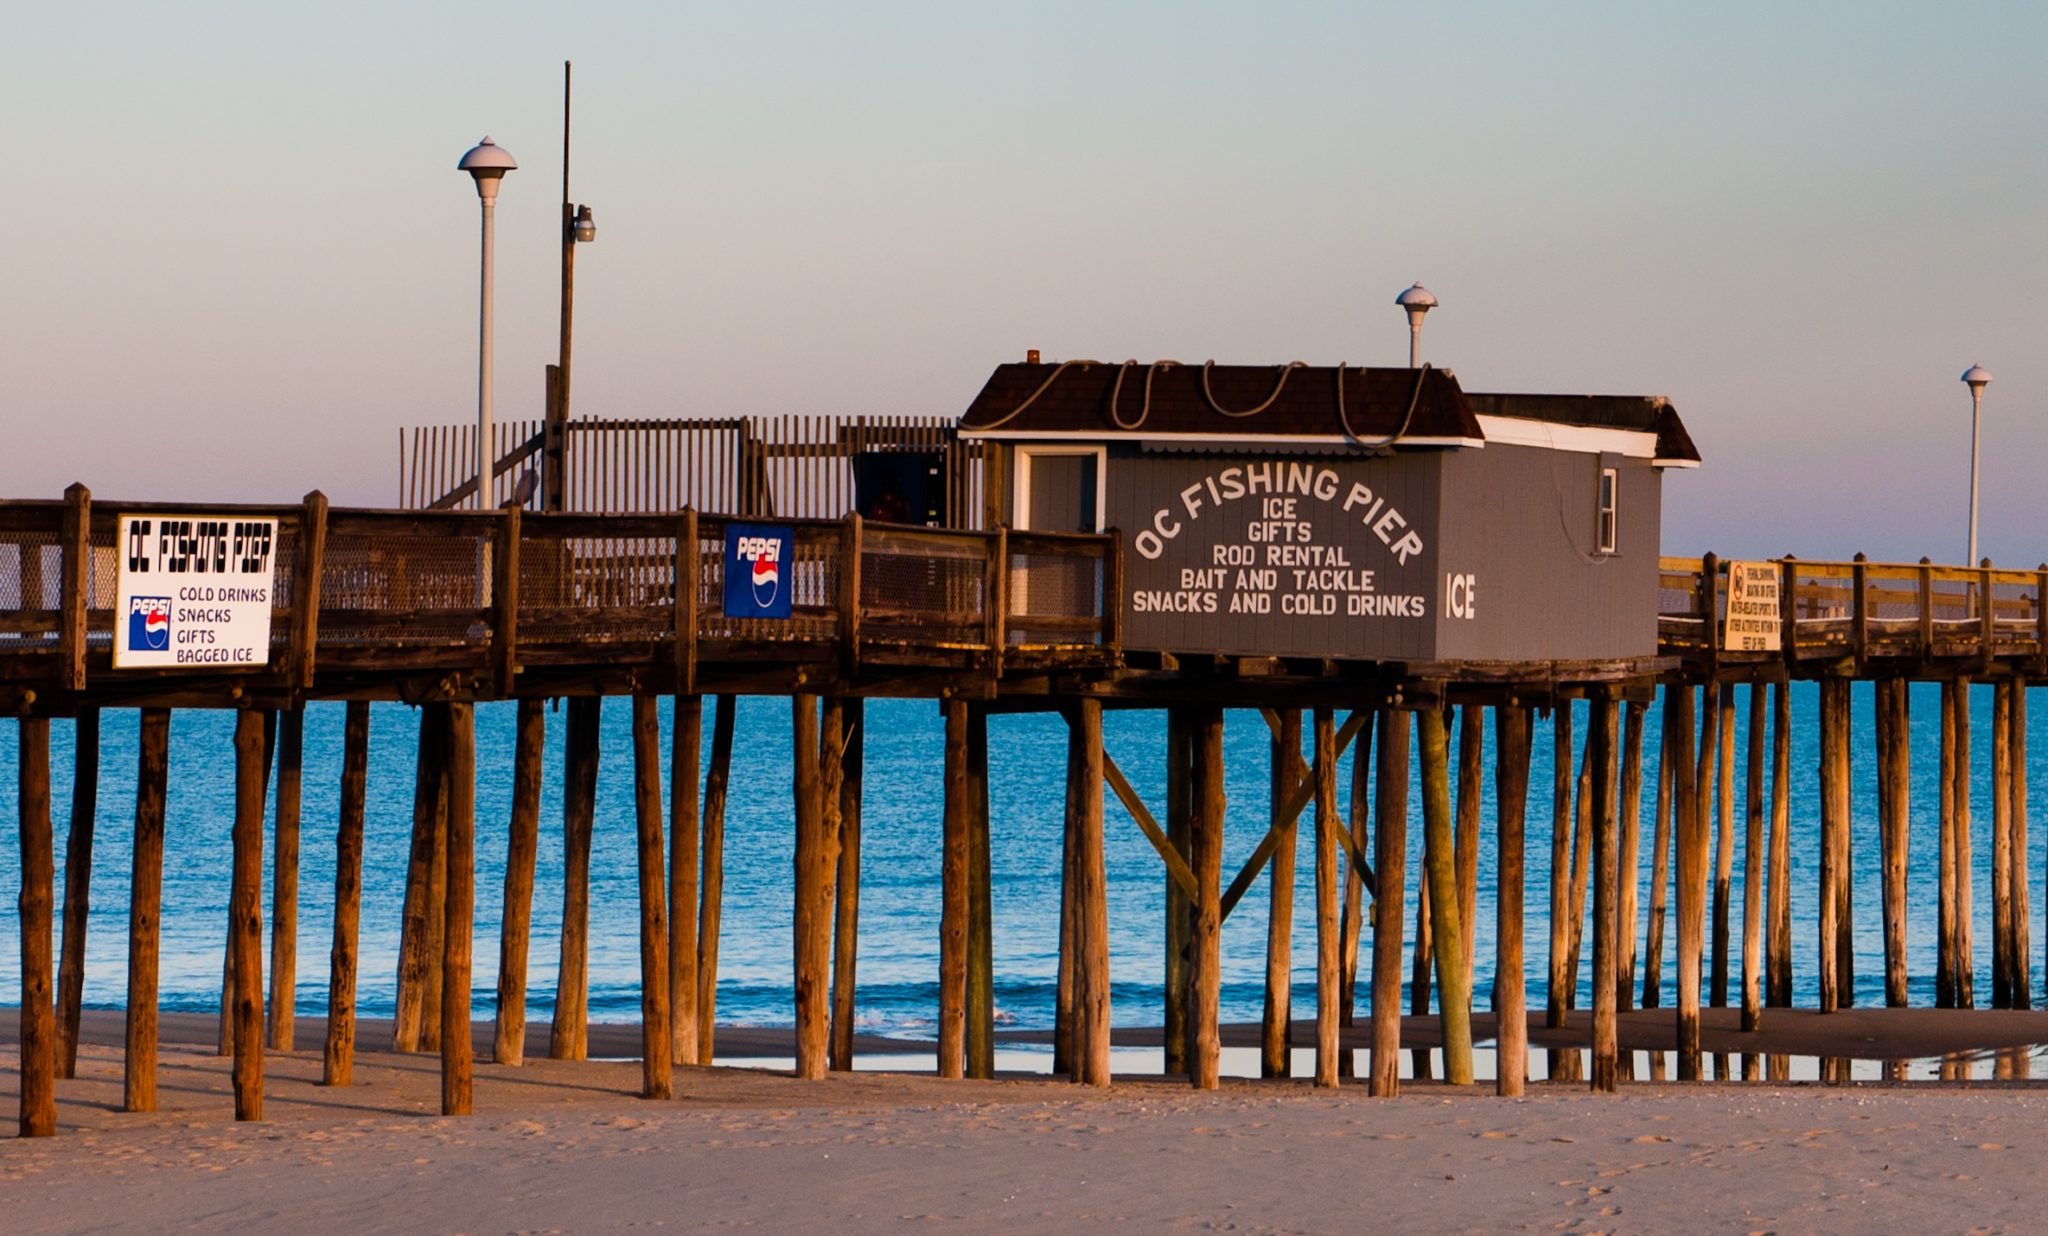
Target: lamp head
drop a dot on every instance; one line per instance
(1977, 377)
(487, 162)
(584, 229)
(1417, 300)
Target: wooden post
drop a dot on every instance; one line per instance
(2022, 961)
(1420, 1067)
(1724, 836)
(713, 891)
(38, 878)
(459, 915)
(1895, 801)
(529, 747)
(1557, 996)
(431, 987)
(284, 895)
(1091, 968)
(1966, 966)
(657, 1036)
(981, 997)
(1351, 909)
(1440, 858)
(1390, 859)
(1779, 959)
(1063, 1047)
(1689, 838)
(568, 1031)
(245, 914)
(1834, 806)
(429, 798)
(73, 598)
(1471, 780)
(1668, 761)
(1629, 874)
(1328, 963)
(1179, 911)
(1947, 937)
(685, 776)
(338, 1053)
(85, 780)
(953, 900)
(2001, 842)
(1581, 873)
(145, 908)
(1511, 793)
(1753, 864)
(1275, 1056)
(1206, 858)
(1600, 740)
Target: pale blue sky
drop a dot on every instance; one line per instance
(240, 256)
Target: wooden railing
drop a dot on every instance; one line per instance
(496, 593)
(1861, 609)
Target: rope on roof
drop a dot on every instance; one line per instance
(1286, 372)
(1344, 417)
(1144, 409)
(1018, 411)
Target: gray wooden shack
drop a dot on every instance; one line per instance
(1357, 514)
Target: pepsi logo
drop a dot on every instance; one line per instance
(765, 553)
(149, 624)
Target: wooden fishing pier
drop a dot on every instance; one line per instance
(995, 611)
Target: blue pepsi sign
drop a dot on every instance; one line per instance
(759, 562)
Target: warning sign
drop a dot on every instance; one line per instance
(194, 591)
(1754, 622)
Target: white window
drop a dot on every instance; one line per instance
(1610, 491)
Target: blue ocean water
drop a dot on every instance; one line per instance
(898, 974)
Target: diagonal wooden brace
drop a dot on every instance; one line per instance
(1298, 800)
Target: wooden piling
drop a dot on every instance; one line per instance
(338, 1051)
(1724, 837)
(1511, 795)
(1689, 840)
(819, 920)
(1753, 863)
(225, 1043)
(569, 1029)
(428, 807)
(1091, 954)
(1471, 782)
(1778, 947)
(1179, 911)
(1277, 1020)
(1582, 857)
(1600, 740)
(1668, 761)
(846, 899)
(1834, 809)
(1895, 801)
(1440, 857)
(1351, 912)
(686, 744)
(85, 781)
(1966, 966)
(1206, 859)
(284, 894)
(38, 878)
(459, 912)
(2001, 843)
(1420, 970)
(1946, 934)
(1558, 996)
(1628, 875)
(145, 910)
(522, 846)
(437, 904)
(981, 995)
(1390, 861)
(712, 892)
(2022, 958)
(657, 1036)
(1328, 963)
(953, 899)
(245, 914)
(1064, 1061)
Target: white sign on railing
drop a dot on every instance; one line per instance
(1754, 622)
(194, 591)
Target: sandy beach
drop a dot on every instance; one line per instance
(561, 1146)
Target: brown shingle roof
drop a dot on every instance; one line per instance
(1079, 401)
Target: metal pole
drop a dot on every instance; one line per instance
(1414, 340)
(554, 461)
(483, 375)
(1976, 416)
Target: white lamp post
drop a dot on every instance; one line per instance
(1417, 300)
(1978, 377)
(487, 162)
